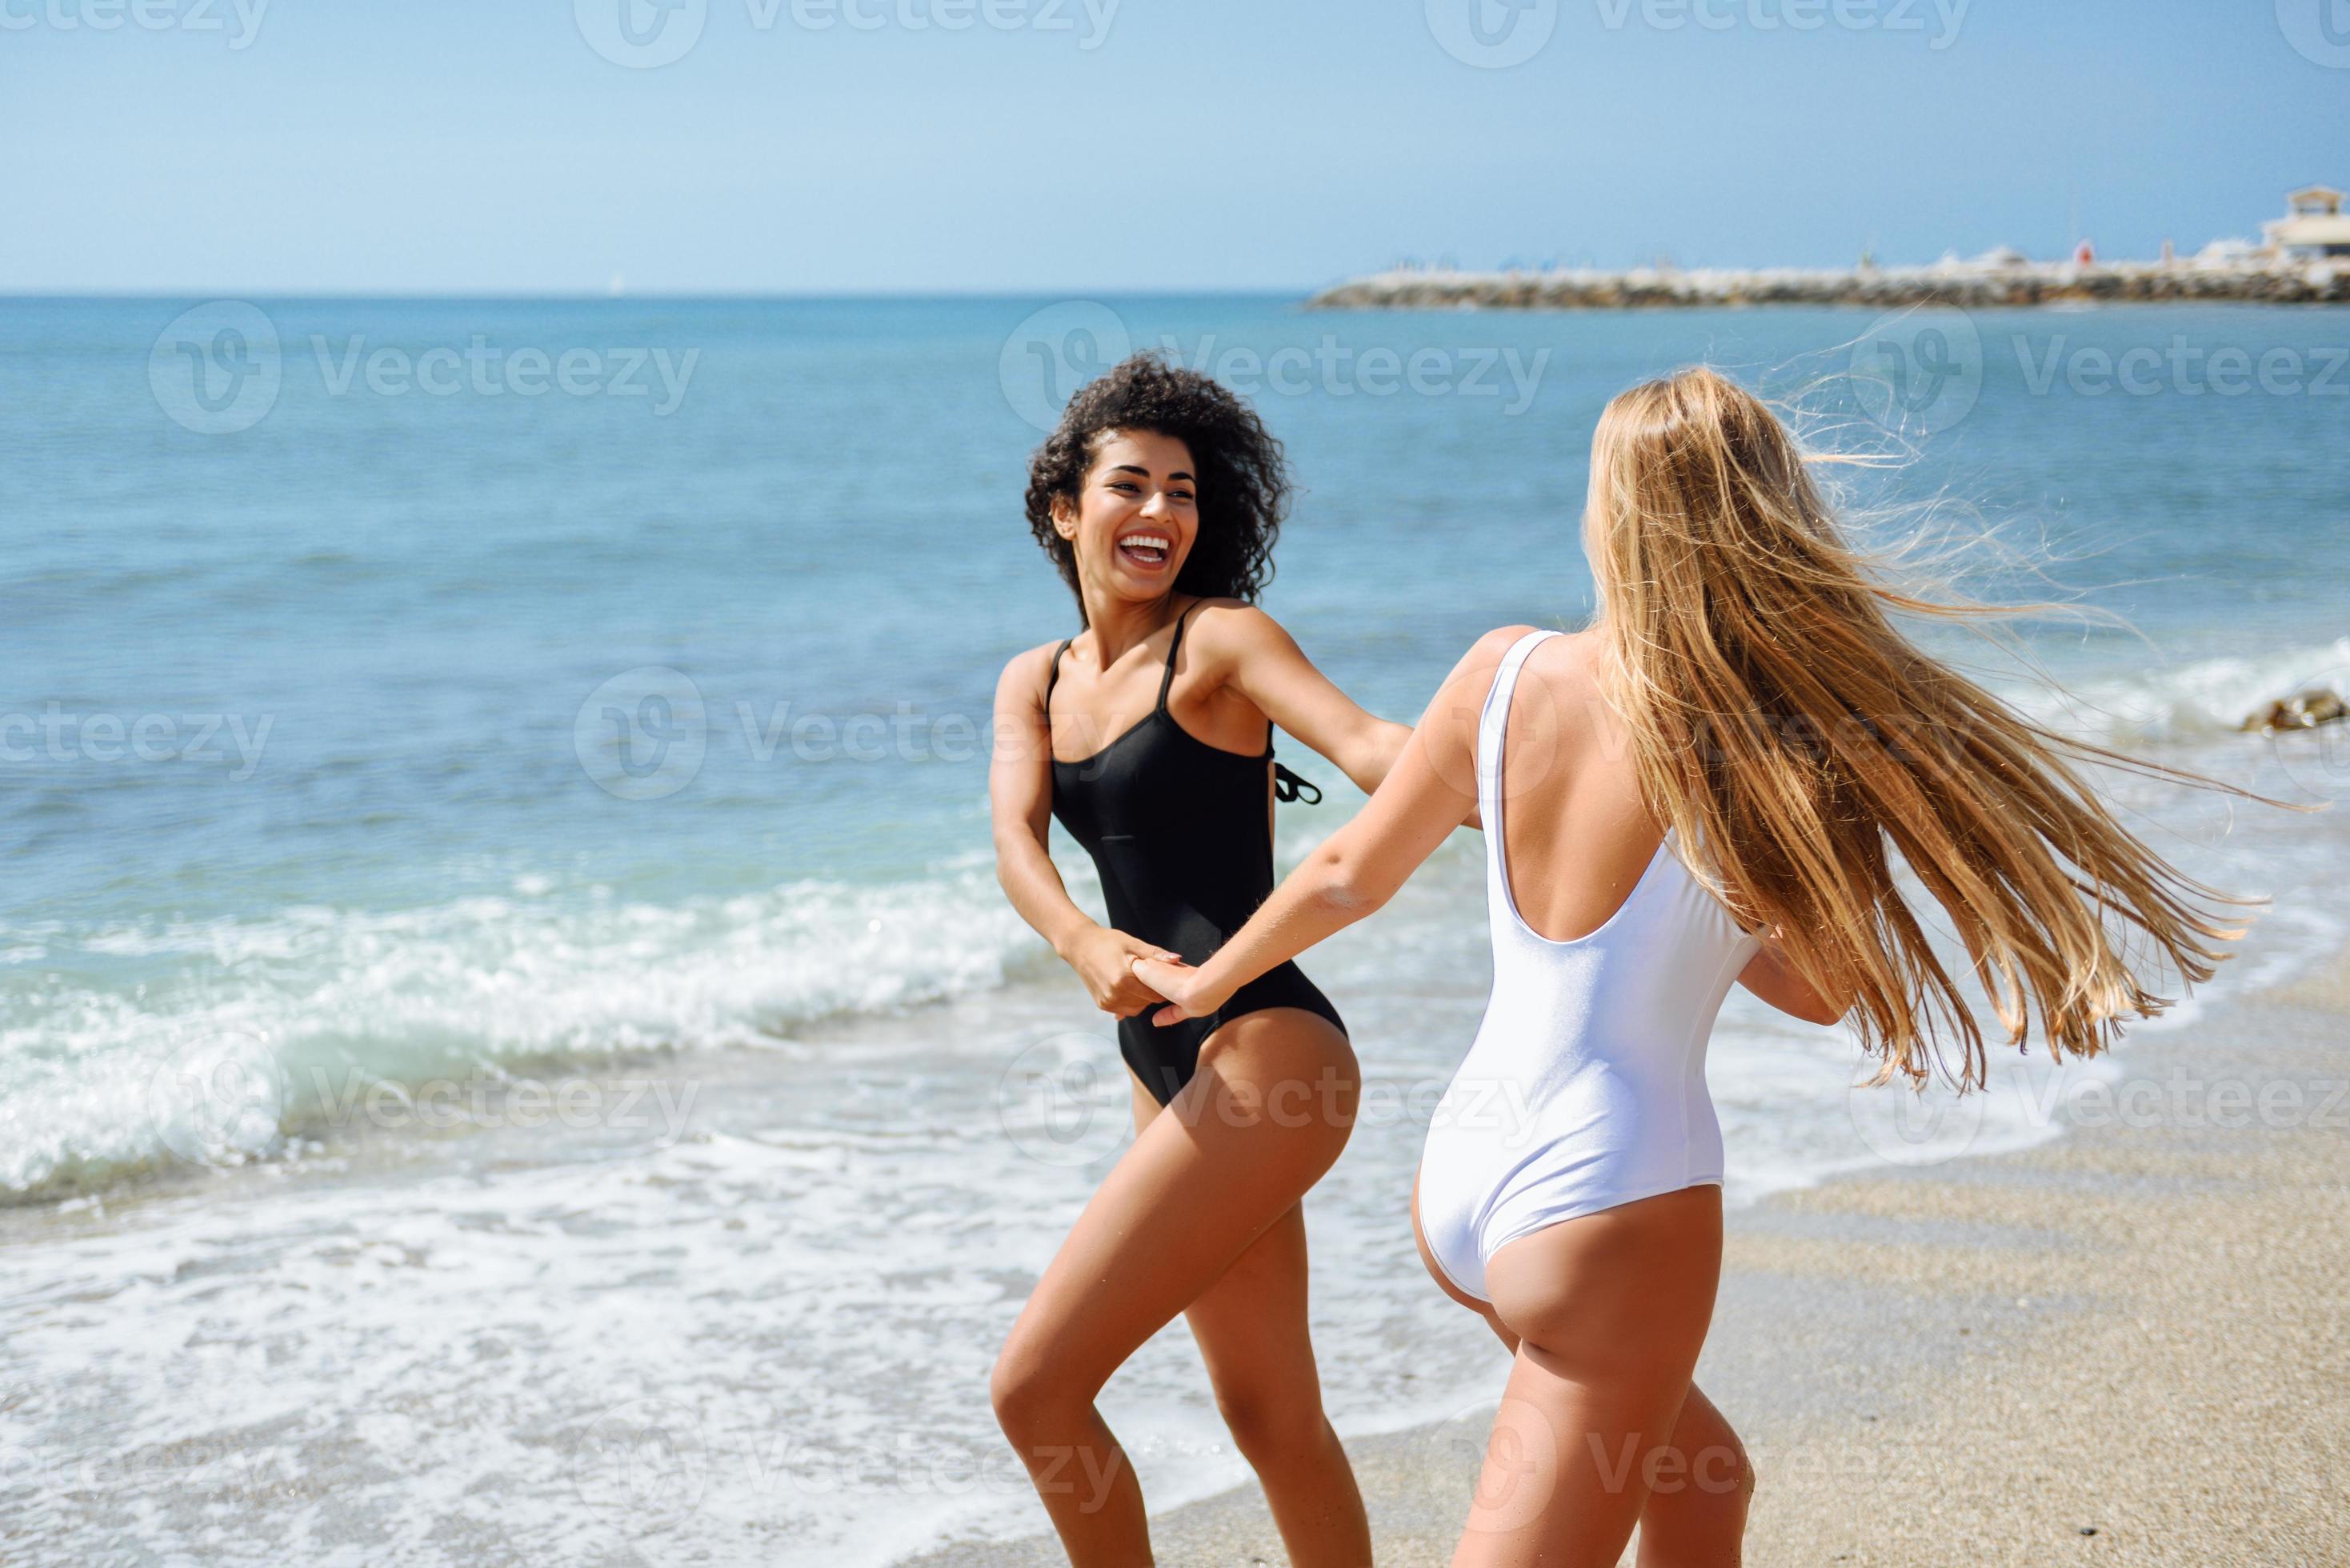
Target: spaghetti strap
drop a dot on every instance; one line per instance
(1055, 677)
(1167, 681)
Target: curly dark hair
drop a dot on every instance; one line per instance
(1240, 475)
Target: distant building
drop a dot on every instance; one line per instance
(2229, 252)
(2314, 227)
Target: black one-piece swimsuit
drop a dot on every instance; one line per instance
(1181, 835)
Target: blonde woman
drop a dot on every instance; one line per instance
(1704, 789)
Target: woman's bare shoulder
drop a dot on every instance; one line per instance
(1564, 651)
(1028, 668)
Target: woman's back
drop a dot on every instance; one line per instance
(1584, 1088)
(1580, 835)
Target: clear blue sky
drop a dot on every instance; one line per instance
(451, 145)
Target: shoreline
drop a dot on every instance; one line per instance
(2116, 1341)
(1967, 285)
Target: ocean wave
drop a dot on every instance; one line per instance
(2186, 702)
(103, 1032)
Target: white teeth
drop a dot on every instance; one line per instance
(1147, 540)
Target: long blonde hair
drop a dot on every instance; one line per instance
(1781, 720)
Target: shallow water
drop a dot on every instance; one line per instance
(332, 874)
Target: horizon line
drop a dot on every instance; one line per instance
(588, 296)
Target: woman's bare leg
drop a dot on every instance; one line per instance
(1252, 1329)
(1610, 1311)
(1696, 1515)
(1201, 1184)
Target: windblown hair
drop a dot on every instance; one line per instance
(1241, 474)
(1781, 720)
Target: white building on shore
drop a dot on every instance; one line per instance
(2314, 227)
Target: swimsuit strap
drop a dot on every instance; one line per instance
(1167, 681)
(1055, 678)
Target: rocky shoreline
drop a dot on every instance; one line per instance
(1968, 285)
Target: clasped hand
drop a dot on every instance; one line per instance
(1187, 996)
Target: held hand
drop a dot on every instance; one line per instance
(1180, 983)
(1105, 961)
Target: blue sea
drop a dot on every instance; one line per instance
(510, 1046)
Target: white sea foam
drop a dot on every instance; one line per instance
(474, 985)
(2193, 701)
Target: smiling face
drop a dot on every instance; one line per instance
(1136, 516)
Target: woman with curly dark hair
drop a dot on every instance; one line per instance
(1148, 735)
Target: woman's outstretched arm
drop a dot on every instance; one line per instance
(1270, 669)
(1428, 793)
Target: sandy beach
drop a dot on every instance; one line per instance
(2127, 1344)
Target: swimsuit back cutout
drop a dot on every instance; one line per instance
(1594, 1048)
(1182, 834)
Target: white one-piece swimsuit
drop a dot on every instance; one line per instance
(1585, 1085)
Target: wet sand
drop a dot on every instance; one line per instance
(2128, 1344)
